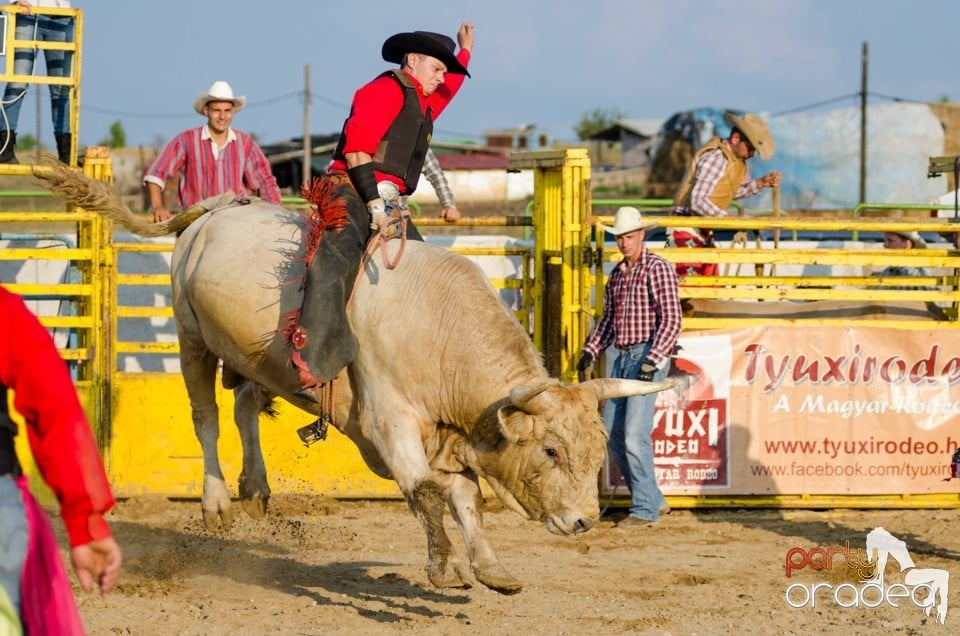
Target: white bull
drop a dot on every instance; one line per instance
(447, 385)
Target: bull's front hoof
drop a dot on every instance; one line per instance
(256, 506)
(498, 579)
(215, 520)
(449, 577)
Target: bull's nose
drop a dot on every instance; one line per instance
(583, 525)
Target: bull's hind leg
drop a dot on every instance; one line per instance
(199, 368)
(249, 400)
(463, 497)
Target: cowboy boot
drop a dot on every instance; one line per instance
(8, 139)
(323, 341)
(63, 147)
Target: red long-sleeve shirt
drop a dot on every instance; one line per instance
(57, 429)
(377, 104)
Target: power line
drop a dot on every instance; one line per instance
(120, 113)
(327, 100)
(274, 100)
(897, 99)
(817, 104)
(892, 98)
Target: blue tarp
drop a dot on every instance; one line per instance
(819, 154)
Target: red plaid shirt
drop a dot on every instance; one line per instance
(640, 304)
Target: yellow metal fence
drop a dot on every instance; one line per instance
(142, 415)
(74, 52)
(761, 271)
(108, 303)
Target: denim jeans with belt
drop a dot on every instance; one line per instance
(13, 538)
(629, 422)
(47, 28)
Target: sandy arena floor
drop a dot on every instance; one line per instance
(317, 566)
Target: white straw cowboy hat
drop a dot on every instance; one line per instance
(219, 91)
(913, 237)
(756, 131)
(628, 219)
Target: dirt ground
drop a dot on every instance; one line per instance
(318, 566)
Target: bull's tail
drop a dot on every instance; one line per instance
(96, 196)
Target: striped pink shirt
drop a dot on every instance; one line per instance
(240, 166)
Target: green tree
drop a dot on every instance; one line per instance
(597, 120)
(26, 141)
(117, 136)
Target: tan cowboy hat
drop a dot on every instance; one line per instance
(913, 237)
(433, 44)
(219, 91)
(756, 131)
(629, 219)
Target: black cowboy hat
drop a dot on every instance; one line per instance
(434, 44)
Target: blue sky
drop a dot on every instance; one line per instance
(541, 63)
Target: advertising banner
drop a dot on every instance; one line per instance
(790, 410)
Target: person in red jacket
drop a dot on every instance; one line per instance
(377, 163)
(33, 582)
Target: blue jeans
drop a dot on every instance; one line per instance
(43, 28)
(629, 422)
(13, 538)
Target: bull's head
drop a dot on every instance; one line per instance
(542, 448)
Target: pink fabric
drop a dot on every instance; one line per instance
(46, 597)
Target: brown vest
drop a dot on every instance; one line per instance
(728, 185)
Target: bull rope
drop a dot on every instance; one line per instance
(396, 228)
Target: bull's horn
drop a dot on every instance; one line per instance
(609, 388)
(522, 395)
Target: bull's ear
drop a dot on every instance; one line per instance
(531, 398)
(609, 388)
(515, 424)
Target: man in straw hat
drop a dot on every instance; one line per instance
(212, 158)
(718, 174)
(376, 164)
(905, 240)
(642, 318)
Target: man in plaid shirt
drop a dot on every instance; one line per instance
(718, 174)
(434, 174)
(642, 317)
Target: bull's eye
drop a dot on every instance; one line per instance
(552, 453)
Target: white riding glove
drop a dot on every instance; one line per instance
(389, 192)
(378, 213)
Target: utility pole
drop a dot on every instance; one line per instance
(37, 87)
(307, 141)
(863, 123)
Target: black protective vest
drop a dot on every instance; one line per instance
(403, 148)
